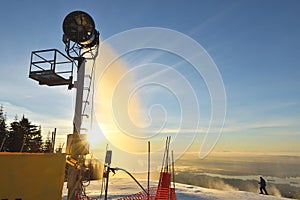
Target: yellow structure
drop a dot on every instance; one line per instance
(31, 176)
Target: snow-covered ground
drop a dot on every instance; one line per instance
(120, 187)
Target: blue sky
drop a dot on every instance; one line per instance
(255, 45)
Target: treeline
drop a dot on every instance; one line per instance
(22, 136)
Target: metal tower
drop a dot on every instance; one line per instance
(51, 67)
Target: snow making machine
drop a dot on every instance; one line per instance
(51, 67)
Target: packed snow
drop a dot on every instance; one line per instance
(120, 187)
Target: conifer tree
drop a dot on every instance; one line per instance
(24, 137)
(15, 137)
(3, 130)
(47, 147)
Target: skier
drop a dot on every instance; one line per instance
(263, 186)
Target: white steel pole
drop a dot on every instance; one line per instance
(79, 84)
(74, 184)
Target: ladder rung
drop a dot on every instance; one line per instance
(87, 102)
(85, 115)
(88, 76)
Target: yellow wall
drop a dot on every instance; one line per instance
(31, 176)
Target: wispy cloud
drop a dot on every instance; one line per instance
(47, 122)
(240, 127)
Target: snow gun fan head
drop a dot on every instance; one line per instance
(79, 27)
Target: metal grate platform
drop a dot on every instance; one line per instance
(51, 67)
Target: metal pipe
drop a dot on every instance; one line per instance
(53, 140)
(2, 144)
(106, 185)
(117, 168)
(148, 184)
(173, 170)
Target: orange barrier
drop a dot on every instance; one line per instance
(83, 197)
(173, 194)
(141, 195)
(163, 188)
(162, 192)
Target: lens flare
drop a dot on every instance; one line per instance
(140, 99)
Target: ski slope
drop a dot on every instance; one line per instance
(120, 187)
